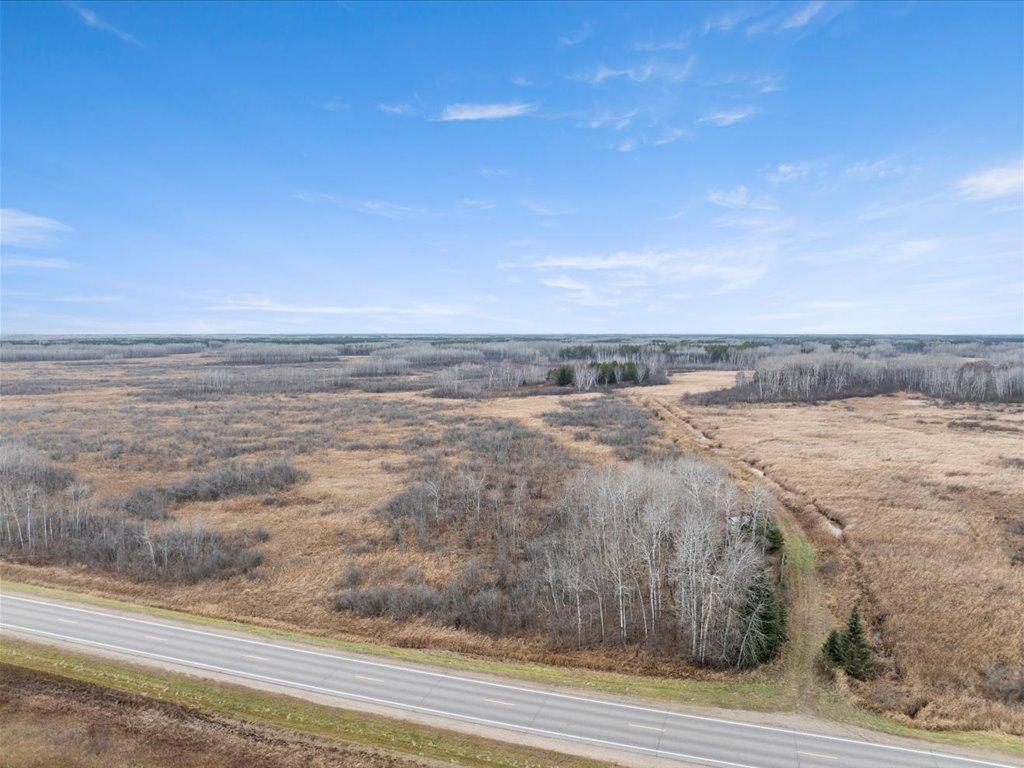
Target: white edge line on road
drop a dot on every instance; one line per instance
(385, 702)
(605, 702)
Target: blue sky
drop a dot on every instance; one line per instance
(517, 168)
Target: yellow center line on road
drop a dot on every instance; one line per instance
(254, 656)
(367, 677)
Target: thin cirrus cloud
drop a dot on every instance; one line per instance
(641, 73)
(730, 269)
(28, 230)
(993, 183)
(818, 11)
(576, 36)
(732, 198)
(399, 109)
(723, 118)
(37, 263)
(546, 211)
(789, 172)
(370, 207)
(90, 19)
(494, 111)
(671, 44)
(268, 305)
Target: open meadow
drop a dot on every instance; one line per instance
(615, 504)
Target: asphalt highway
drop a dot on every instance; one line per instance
(603, 723)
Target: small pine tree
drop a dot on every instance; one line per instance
(565, 376)
(858, 653)
(834, 649)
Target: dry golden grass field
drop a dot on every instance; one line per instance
(914, 507)
(917, 509)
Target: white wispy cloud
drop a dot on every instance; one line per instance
(651, 44)
(730, 198)
(333, 104)
(80, 298)
(373, 207)
(269, 305)
(28, 230)
(798, 18)
(578, 292)
(36, 263)
(475, 204)
(546, 210)
(496, 111)
(617, 120)
(639, 73)
(90, 19)
(737, 198)
(876, 170)
(789, 172)
(732, 268)
(726, 117)
(576, 36)
(399, 109)
(734, 15)
(993, 183)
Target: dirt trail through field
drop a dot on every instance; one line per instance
(808, 610)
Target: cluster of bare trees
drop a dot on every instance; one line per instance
(46, 517)
(492, 496)
(29, 352)
(671, 555)
(214, 382)
(610, 419)
(822, 376)
(271, 353)
(234, 478)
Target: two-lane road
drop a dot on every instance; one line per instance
(569, 720)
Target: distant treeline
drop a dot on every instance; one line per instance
(813, 377)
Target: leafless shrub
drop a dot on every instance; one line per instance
(268, 353)
(147, 502)
(215, 382)
(64, 526)
(1005, 682)
(21, 466)
(237, 478)
(611, 420)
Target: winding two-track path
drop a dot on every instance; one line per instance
(629, 732)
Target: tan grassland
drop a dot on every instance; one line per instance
(916, 509)
(913, 507)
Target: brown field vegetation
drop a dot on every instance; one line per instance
(917, 510)
(121, 425)
(312, 469)
(53, 721)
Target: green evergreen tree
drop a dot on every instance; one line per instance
(858, 653)
(834, 649)
(565, 376)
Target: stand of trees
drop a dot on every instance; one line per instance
(671, 555)
(824, 376)
(46, 517)
(848, 649)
